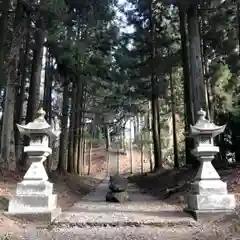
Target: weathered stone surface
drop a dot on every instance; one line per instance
(119, 197)
(32, 203)
(211, 202)
(40, 217)
(206, 187)
(118, 183)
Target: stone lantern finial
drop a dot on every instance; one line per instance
(40, 114)
(202, 114)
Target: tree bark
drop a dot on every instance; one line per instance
(154, 97)
(34, 88)
(71, 129)
(4, 8)
(21, 94)
(62, 163)
(188, 110)
(196, 68)
(7, 135)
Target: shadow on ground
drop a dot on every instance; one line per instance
(72, 188)
(158, 184)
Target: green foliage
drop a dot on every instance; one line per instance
(222, 87)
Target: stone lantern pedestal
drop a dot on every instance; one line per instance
(208, 193)
(34, 199)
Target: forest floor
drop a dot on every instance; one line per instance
(71, 189)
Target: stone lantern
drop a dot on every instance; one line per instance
(34, 195)
(208, 193)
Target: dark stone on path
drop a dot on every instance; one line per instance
(118, 183)
(117, 197)
(123, 153)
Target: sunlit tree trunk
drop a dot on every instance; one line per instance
(173, 104)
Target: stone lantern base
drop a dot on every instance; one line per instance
(34, 201)
(209, 196)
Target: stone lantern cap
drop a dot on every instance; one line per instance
(38, 126)
(204, 127)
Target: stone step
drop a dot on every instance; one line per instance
(119, 233)
(129, 214)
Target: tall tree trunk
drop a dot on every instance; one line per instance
(79, 139)
(135, 128)
(235, 126)
(21, 94)
(189, 116)
(141, 152)
(154, 100)
(81, 148)
(77, 126)
(4, 8)
(34, 88)
(196, 68)
(47, 100)
(173, 104)
(155, 136)
(35, 80)
(150, 137)
(107, 136)
(71, 129)
(205, 67)
(7, 139)
(130, 146)
(48, 85)
(62, 163)
(90, 148)
(7, 135)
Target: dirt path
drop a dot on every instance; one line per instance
(144, 217)
(142, 210)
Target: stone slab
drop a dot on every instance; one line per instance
(209, 187)
(32, 203)
(40, 217)
(105, 233)
(33, 187)
(211, 202)
(124, 215)
(209, 215)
